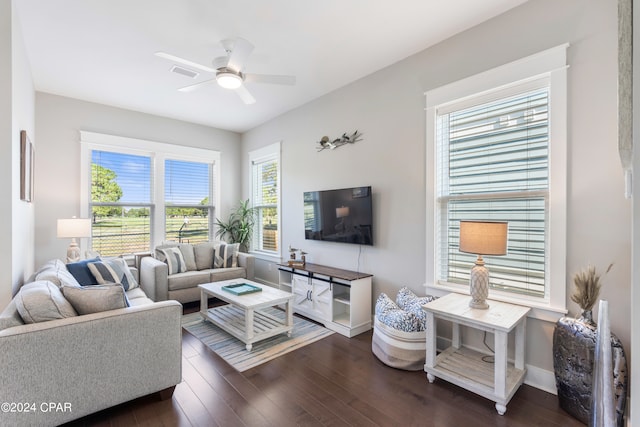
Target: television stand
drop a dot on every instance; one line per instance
(339, 299)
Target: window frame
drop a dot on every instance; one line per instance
(493, 84)
(262, 155)
(159, 152)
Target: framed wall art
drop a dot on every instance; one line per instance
(26, 167)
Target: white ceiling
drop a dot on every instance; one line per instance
(103, 50)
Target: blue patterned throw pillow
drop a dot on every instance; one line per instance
(412, 303)
(388, 313)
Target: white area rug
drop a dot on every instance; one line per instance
(233, 350)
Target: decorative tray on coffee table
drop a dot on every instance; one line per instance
(241, 288)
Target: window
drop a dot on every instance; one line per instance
(493, 166)
(497, 148)
(265, 198)
(140, 197)
(120, 203)
(188, 208)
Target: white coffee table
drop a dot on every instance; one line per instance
(243, 317)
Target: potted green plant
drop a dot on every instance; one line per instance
(238, 228)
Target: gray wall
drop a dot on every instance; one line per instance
(6, 145)
(635, 289)
(388, 107)
(16, 114)
(58, 122)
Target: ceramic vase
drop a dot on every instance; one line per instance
(574, 343)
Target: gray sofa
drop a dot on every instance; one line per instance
(183, 286)
(60, 370)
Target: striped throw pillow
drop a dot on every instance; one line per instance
(226, 255)
(113, 271)
(174, 260)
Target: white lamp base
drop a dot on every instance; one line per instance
(73, 252)
(479, 285)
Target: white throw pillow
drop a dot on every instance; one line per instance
(42, 301)
(56, 272)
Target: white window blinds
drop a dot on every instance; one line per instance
(493, 160)
(265, 194)
(186, 183)
(188, 207)
(118, 178)
(120, 202)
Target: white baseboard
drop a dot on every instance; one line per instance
(442, 343)
(266, 282)
(541, 379)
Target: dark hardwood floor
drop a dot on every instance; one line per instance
(336, 381)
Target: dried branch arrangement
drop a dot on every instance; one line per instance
(587, 287)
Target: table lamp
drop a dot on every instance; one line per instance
(341, 212)
(482, 238)
(73, 228)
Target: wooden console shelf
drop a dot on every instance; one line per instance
(339, 299)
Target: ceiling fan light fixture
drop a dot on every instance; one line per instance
(228, 80)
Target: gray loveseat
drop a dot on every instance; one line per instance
(60, 370)
(200, 266)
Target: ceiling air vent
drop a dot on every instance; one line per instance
(184, 71)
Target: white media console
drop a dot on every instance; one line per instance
(339, 299)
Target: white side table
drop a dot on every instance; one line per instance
(464, 367)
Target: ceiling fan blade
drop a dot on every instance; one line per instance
(183, 61)
(197, 85)
(239, 54)
(244, 94)
(270, 78)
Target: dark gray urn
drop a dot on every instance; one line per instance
(574, 342)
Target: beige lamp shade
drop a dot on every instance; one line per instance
(342, 212)
(74, 227)
(483, 238)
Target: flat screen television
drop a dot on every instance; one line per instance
(344, 215)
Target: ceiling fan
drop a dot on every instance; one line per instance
(229, 70)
